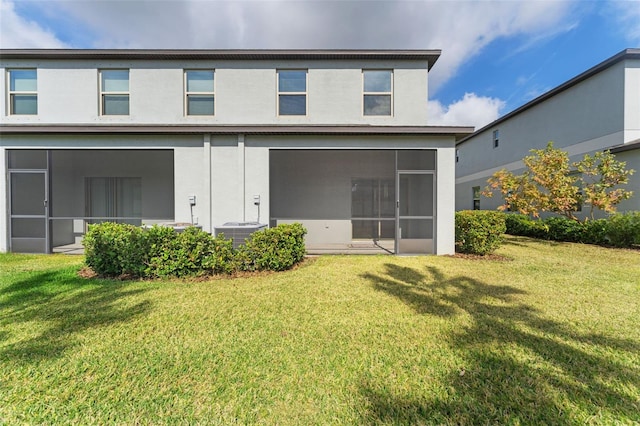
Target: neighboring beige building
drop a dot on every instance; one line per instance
(595, 111)
(335, 139)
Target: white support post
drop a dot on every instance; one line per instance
(206, 190)
(4, 203)
(241, 175)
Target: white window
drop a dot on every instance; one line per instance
(377, 92)
(23, 92)
(476, 197)
(114, 92)
(496, 138)
(292, 92)
(199, 92)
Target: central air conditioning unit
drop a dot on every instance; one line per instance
(238, 231)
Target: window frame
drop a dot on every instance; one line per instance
(187, 93)
(104, 93)
(495, 136)
(366, 93)
(281, 93)
(475, 194)
(11, 94)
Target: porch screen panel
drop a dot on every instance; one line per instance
(416, 195)
(372, 208)
(28, 194)
(414, 159)
(27, 159)
(114, 197)
(28, 211)
(415, 212)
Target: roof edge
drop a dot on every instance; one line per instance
(429, 55)
(629, 146)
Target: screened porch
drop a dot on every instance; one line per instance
(55, 194)
(377, 201)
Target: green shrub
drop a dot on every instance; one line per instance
(192, 252)
(519, 224)
(564, 229)
(114, 249)
(594, 232)
(158, 240)
(619, 230)
(623, 229)
(274, 249)
(479, 231)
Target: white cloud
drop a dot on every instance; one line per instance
(471, 110)
(461, 28)
(627, 15)
(18, 32)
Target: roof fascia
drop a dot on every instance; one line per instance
(430, 55)
(629, 146)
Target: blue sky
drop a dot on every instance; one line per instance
(496, 55)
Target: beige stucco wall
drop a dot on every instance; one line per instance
(245, 92)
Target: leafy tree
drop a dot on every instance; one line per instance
(551, 183)
(600, 175)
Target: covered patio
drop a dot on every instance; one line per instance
(357, 201)
(55, 194)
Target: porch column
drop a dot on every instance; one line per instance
(4, 237)
(446, 200)
(206, 190)
(241, 175)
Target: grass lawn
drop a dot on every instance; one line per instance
(551, 336)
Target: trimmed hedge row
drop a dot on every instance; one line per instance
(618, 230)
(479, 231)
(115, 249)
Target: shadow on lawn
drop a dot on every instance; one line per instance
(65, 305)
(519, 367)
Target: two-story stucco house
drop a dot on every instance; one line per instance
(595, 111)
(336, 140)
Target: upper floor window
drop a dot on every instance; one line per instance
(114, 92)
(377, 92)
(199, 93)
(496, 138)
(23, 92)
(292, 92)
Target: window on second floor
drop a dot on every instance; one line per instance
(114, 92)
(23, 92)
(496, 138)
(377, 92)
(199, 92)
(292, 92)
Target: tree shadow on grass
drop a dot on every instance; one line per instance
(519, 367)
(63, 305)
